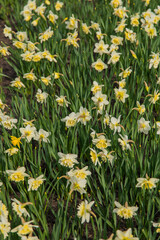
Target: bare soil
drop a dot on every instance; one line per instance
(5, 68)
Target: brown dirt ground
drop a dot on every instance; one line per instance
(6, 68)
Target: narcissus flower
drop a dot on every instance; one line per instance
(99, 65)
(157, 226)
(79, 173)
(130, 35)
(72, 23)
(35, 22)
(41, 96)
(84, 211)
(126, 235)
(101, 47)
(120, 12)
(116, 3)
(22, 36)
(19, 207)
(125, 211)
(17, 83)
(77, 184)
(115, 124)
(30, 76)
(147, 183)
(125, 73)
(154, 97)
(143, 126)
(135, 20)
(42, 135)
(115, 56)
(3, 212)
(106, 155)
(124, 142)
(140, 108)
(5, 228)
(106, 119)
(101, 142)
(58, 5)
(46, 35)
(85, 28)
(83, 115)
(40, 10)
(29, 238)
(11, 151)
(95, 26)
(100, 100)
(52, 17)
(121, 94)
(17, 175)
(31, 4)
(4, 51)
(96, 87)
(70, 120)
(116, 40)
(62, 101)
(8, 122)
(28, 132)
(121, 26)
(154, 61)
(94, 157)
(158, 127)
(34, 183)
(7, 31)
(25, 229)
(67, 160)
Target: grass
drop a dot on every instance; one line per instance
(53, 209)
